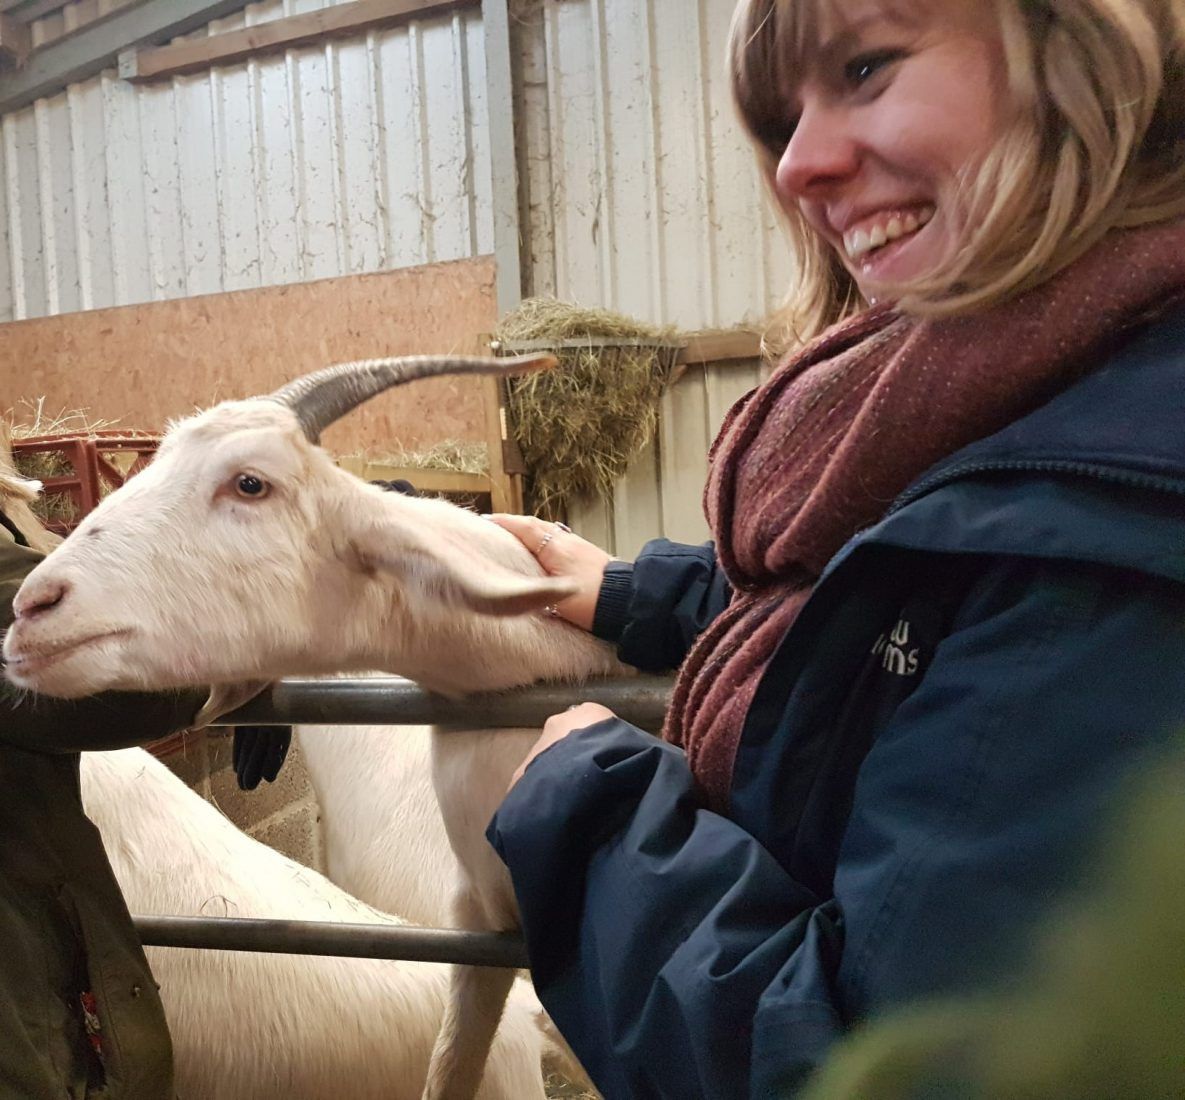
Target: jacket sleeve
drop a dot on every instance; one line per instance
(681, 960)
(654, 608)
(112, 720)
(656, 927)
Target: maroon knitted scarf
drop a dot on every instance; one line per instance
(822, 448)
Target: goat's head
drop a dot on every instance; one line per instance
(242, 552)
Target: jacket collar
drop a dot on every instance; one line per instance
(1127, 417)
(1123, 425)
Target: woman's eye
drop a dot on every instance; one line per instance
(250, 486)
(860, 70)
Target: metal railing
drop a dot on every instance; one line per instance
(389, 700)
(392, 701)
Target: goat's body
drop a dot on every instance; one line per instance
(376, 785)
(253, 1026)
(382, 832)
(399, 806)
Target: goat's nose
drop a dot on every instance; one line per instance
(39, 597)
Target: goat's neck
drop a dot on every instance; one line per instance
(458, 652)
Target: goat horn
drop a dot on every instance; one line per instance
(326, 395)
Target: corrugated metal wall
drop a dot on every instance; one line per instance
(369, 153)
(352, 157)
(642, 190)
(642, 196)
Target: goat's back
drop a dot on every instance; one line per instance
(250, 1025)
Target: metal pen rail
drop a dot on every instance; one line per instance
(393, 701)
(390, 700)
(355, 941)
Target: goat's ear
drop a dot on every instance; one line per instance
(224, 698)
(443, 570)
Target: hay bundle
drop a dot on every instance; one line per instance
(455, 455)
(580, 425)
(17, 493)
(32, 420)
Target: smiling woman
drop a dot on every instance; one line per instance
(897, 101)
(946, 562)
(1017, 134)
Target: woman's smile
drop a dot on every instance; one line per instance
(892, 105)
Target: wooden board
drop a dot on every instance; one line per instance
(142, 365)
(276, 35)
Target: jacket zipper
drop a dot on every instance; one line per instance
(1078, 469)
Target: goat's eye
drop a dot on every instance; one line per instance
(251, 486)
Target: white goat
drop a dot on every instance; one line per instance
(250, 1026)
(242, 552)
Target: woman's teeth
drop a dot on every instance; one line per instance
(859, 242)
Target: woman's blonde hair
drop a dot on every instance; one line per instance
(1098, 142)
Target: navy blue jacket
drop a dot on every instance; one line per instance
(929, 761)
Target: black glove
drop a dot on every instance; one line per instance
(259, 753)
(399, 485)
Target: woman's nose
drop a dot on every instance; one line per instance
(821, 154)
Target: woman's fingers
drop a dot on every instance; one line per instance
(562, 554)
(529, 530)
(558, 726)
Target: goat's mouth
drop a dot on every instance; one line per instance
(21, 666)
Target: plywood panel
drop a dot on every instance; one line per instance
(145, 364)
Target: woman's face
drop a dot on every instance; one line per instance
(897, 105)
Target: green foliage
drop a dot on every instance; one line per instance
(1104, 1017)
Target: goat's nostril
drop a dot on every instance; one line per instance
(42, 599)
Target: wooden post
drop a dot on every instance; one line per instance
(505, 471)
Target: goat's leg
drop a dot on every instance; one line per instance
(476, 997)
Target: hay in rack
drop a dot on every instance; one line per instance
(579, 426)
(455, 455)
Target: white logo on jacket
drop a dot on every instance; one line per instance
(891, 649)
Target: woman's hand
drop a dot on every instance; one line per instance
(558, 726)
(563, 554)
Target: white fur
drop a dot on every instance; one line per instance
(176, 579)
(250, 1026)
(382, 834)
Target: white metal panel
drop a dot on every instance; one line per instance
(353, 156)
(643, 196)
(662, 495)
(643, 191)
(6, 298)
(162, 192)
(131, 279)
(89, 183)
(198, 194)
(24, 214)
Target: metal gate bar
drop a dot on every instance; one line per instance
(389, 700)
(357, 941)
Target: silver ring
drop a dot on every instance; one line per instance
(546, 539)
(563, 527)
(552, 611)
